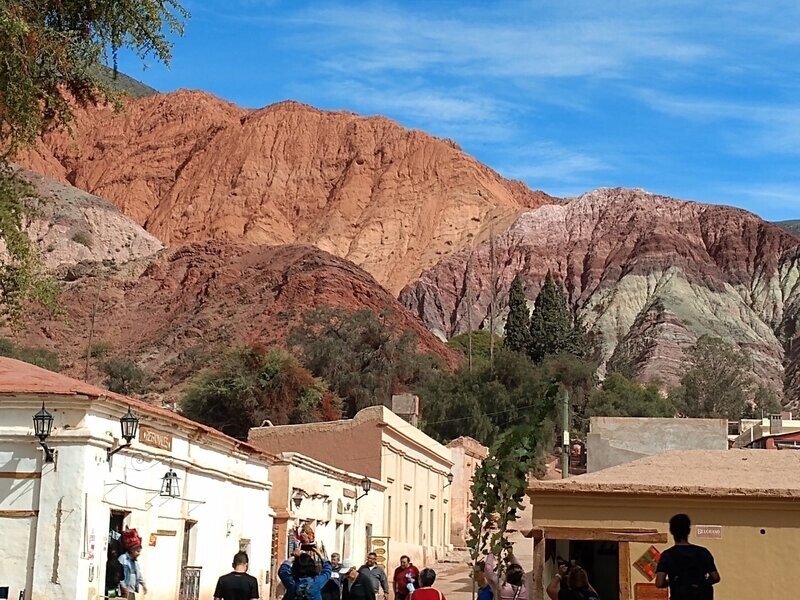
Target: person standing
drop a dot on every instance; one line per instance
(406, 578)
(132, 579)
(332, 590)
(577, 585)
(484, 589)
(357, 586)
(688, 570)
(300, 577)
(515, 585)
(237, 585)
(114, 572)
(426, 591)
(375, 574)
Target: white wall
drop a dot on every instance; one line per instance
(230, 489)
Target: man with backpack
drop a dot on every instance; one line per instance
(688, 570)
(301, 578)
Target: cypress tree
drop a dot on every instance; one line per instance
(517, 332)
(552, 329)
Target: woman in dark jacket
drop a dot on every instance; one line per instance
(300, 576)
(357, 587)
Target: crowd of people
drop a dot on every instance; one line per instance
(688, 570)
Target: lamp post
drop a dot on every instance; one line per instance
(129, 423)
(366, 485)
(169, 485)
(42, 426)
(449, 480)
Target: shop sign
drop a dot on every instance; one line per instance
(709, 532)
(156, 439)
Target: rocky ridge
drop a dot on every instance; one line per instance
(190, 167)
(178, 311)
(648, 275)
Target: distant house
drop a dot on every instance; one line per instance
(195, 495)
(776, 432)
(468, 454)
(744, 505)
(412, 467)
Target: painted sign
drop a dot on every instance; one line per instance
(648, 563)
(649, 591)
(380, 546)
(709, 532)
(156, 439)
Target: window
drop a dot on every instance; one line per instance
(406, 533)
(337, 544)
(388, 516)
(445, 537)
(420, 537)
(431, 529)
(189, 533)
(346, 544)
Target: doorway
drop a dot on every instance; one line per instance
(600, 559)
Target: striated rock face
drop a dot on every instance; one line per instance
(69, 226)
(648, 275)
(173, 312)
(190, 167)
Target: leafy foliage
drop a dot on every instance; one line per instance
(480, 344)
(50, 51)
(552, 328)
(363, 360)
(717, 383)
(254, 384)
(40, 357)
(517, 333)
(621, 397)
(124, 376)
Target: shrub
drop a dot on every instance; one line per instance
(84, 238)
(124, 376)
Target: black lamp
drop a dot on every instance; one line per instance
(449, 480)
(366, 485)
(169, 485)
(42, 426)
(297, 498)
(129, 423)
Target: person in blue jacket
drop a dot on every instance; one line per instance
(300, 577)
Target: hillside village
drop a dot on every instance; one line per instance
(262, 338)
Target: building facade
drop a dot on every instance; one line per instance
(57, 517)
(743, 505)
(775, 432)
(468, 454)
(331, 501)
(412, 467)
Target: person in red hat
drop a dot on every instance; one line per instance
(132, 578)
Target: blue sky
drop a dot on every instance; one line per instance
(697, 100)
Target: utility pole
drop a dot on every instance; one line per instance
(493, 292)
(565, 437)
(468, 284)
(91, 332)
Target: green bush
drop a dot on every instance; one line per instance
(84, 238)
(100, 348)
(41, 357)
(124, 376)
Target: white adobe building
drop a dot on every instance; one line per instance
(55, 517)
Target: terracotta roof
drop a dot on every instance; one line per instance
(17, 378)
(719, 473)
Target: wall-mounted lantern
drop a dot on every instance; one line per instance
(366, 486)
(297, 498)
(42, 426)
(449, 480)
(129, 424)
(169, 485)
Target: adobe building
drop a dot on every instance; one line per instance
(195, 495)
(339, 507)
(744, 506)
(615, 441)
(411, 466)
(776, 432)
(468, 454)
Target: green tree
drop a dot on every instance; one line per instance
(40, 357)
(717, 383)
(480, 344)
(253, 384)
(124, 376)
(361, 357)
(621, 397)
(517, 332)
(552, 328)
(50, 51)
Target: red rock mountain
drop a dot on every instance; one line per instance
(190, 167)
(648, 275)
(171, 312)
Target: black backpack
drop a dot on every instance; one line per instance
(688, 580)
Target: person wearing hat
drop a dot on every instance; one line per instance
(132, 578)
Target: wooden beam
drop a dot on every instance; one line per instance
(622, 534)
(537, 593)
(18, 514)
(17, 475)
(624, 571)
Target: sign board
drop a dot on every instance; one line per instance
(156, 439)
(648, 563)
(709, 532)
(649, 591)
(380, 546)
